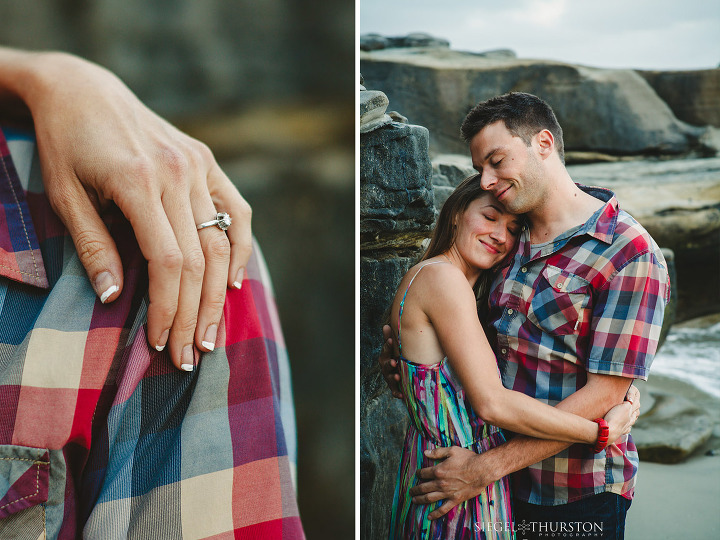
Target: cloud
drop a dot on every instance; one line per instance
(650, 34)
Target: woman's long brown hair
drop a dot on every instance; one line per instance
(445, 232)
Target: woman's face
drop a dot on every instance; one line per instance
(486, 232)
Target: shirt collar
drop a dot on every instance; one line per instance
(603, 222)
(20, 257)
(600, 226)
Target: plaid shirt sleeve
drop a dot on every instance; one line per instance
(627, 318)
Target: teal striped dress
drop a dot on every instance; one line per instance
(440, 416)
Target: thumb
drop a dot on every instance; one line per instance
(95, 247)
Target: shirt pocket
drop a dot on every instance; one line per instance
(558, 302)
(24, 484)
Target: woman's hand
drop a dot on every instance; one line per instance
(99, 144)
(621, 419)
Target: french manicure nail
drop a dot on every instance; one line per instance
(187, 358)
(105, 285)
(239, 278)
(160, 345)
(210, 336)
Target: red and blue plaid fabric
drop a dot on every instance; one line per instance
(590, 301)
(100, 435)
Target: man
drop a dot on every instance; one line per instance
(576, 314)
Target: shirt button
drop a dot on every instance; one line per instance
(510, 311)
(523, 269)
(504, 351)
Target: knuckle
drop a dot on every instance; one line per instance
(185, 326)
(218, 246)
(245, 210)
(172, 260)
(166, 312)
(174, 160)
(203, 152)
(59, 197)
(89, 247)
(215, 303)
(194, 263)
(244, 247)
(140, 168)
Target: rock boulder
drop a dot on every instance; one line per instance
(436, 87)
(694, 96)
(395, 180)
(671, 430)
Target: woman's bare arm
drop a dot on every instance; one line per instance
(452, 310)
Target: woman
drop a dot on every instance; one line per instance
(449, 376)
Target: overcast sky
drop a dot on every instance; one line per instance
(643, 34)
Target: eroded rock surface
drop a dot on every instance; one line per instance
(612, 111)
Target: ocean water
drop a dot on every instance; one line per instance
(692, 355)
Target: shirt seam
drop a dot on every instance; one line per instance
(22, 220)
(37, 480)
(622, 267)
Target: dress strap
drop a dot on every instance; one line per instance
(402, 303)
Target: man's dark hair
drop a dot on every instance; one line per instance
(524, 115)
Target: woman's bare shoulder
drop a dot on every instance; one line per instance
(437, 281)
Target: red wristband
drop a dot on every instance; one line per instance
(603, 434)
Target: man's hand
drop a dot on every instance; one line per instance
(462, 475)
(388, 364)
(98, 144)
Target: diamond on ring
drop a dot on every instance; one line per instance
(222, 221)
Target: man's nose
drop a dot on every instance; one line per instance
(488, 179)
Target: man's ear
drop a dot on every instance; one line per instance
(545, 143)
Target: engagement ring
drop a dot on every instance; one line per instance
(222, 221)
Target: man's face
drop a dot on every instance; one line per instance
(510, 169)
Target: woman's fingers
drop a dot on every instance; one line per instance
(182, 334)
(216, 249)
(93, 243)
(158, 245)
(226, 198)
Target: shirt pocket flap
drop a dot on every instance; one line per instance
(24, 478)
(563, 281)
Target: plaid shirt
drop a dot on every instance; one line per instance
(100, 436)
(590, 301)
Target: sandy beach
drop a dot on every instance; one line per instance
(680, 501)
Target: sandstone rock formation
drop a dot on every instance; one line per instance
(435, 87)
(396, 213)
(693, 96)
(372, 110)
(676, 420)
(672, 430)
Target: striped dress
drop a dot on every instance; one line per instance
(440, 416)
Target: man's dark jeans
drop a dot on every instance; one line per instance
(594, 517)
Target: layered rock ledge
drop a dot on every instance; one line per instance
(614, 111)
